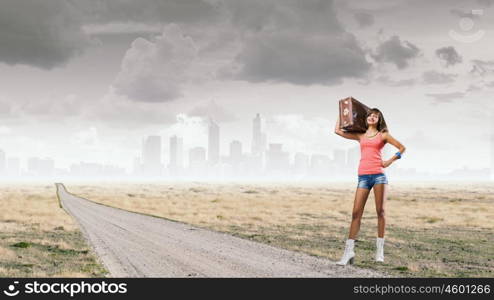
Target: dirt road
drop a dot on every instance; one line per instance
(136, 245)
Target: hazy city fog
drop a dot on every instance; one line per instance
(222, 89)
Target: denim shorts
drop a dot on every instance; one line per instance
(367, 181)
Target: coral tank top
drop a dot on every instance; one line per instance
(370, 155)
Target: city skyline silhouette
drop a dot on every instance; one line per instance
(83, 85)
(264, 161)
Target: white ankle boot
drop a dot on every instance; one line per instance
(349, 254)
(380, 249)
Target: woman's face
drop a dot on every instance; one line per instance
(372, 119)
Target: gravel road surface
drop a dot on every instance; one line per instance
(135, 245)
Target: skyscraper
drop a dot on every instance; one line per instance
(300, 163)
(197, 161)
(264, 141)
(40, 167)
(236, 159)
(276, 158)
(320, 165)
(176, 154)
(339, 159)
(235, 151)
(13, 166)
(353, 158)
(213, 142)
(151, 156)
(197, 155)
(137, 166)
(257, 137)
(33, 165)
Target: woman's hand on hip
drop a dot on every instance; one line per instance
(386, 163)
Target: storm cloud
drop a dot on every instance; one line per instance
(397, 52)
(148, 11)
(301, 59)
(130, 69)
(154, 71)
(43, 34)
(449, 56)
(482, 67)
(295, 42)
(48, 34)
(364, 19)
(268, 41)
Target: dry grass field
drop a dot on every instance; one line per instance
(433, 229)
(38, 238)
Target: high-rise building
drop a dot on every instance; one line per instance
(137, 165)
(47, 167)
(300, 163)
(176, 154)
(197, 161)
(339, 160)
(320, 165)
(213, 143)
(264, 141)
(235, 151)
(258, 137)
(13, 166)
(197, 155)
(276, 158)
(41, 167)
(33, 166)
(151, 156)
(353, 158)
(236, 159)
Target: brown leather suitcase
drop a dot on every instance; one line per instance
(352, 115)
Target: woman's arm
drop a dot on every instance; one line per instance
(347, 135)
(390, 139)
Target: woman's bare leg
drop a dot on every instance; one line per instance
(380, 194)
(358, 209)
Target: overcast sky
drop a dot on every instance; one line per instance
(87, 80)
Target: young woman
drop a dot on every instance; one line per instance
(370, 175)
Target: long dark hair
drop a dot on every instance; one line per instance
(381, 124)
